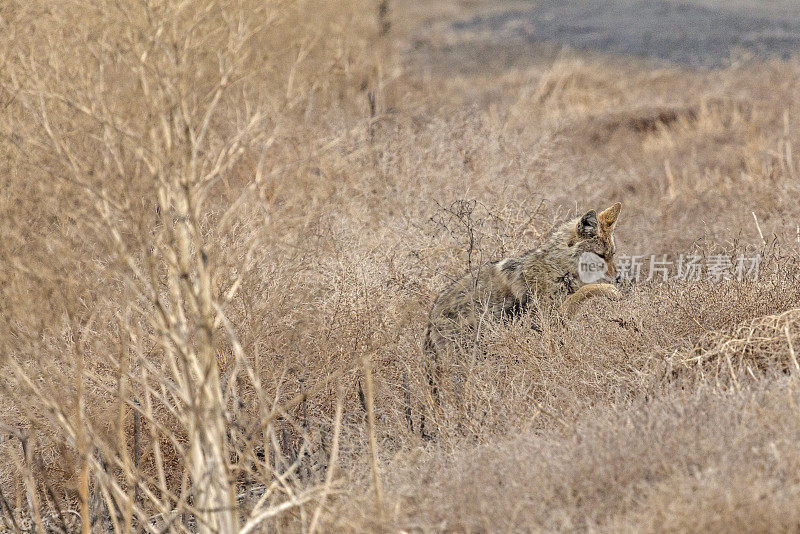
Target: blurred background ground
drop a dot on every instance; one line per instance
(699, 33)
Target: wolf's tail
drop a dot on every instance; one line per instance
(573, 302)
(434, 343)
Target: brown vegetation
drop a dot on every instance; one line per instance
(223, 227)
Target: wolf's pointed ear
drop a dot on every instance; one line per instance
(586, 227)
(609, 216)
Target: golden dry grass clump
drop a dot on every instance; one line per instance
(225, 222)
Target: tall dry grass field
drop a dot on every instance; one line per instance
(223, 225)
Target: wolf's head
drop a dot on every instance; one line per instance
(594, 233)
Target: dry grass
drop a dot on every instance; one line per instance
(216, 219)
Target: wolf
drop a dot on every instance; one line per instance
(547, 277)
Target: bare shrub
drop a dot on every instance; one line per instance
(145, 146)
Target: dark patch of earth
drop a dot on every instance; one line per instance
(693, 33)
